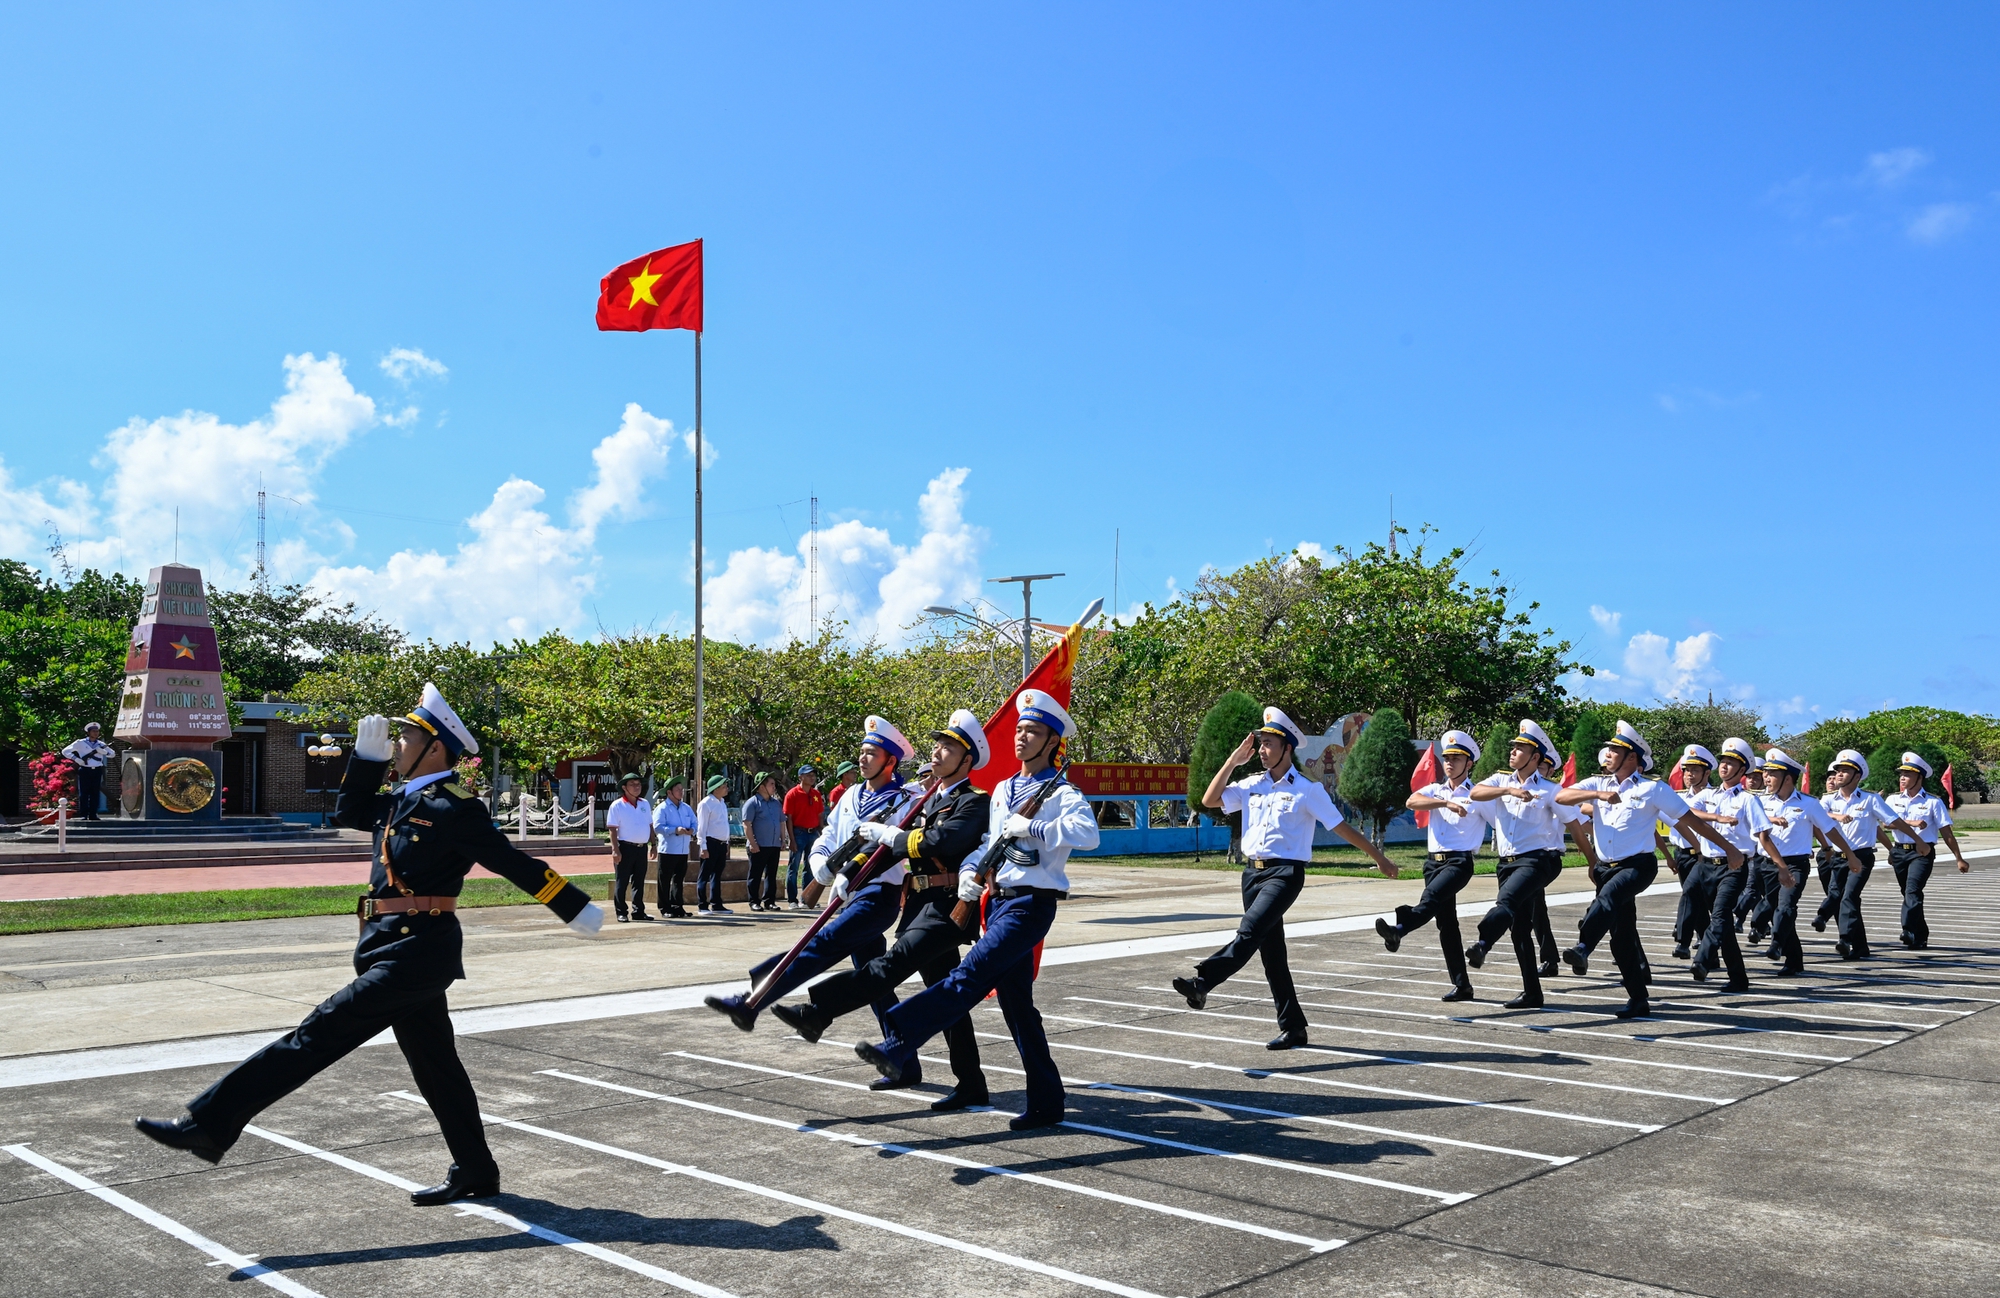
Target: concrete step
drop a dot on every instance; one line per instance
(152, 856)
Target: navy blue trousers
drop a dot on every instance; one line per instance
(855, 931)
(1002, 961)
(1615, 911)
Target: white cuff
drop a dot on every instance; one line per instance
(589, 919)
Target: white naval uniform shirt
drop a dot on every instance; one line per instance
(1278, 816)
(1625, 828)
(846, 817)
(1870, 814)
(629, 822)
(1926, 811)
(1746, 808)
(1801, 813)
(1064, 824)
(1523, 826)
(89, 752)
(1451, 832)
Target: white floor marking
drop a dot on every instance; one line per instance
(1399, 1092)
(472, 1208)
(814, 1205)
(1481, 1045)
(242, 1262)
(858, 1142)
(1401, 1061)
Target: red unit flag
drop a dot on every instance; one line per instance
(661, 290)
(1425, 774)
(1950, 794)
(1569, 771)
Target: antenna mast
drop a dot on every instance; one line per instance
(263, 582)
(1392, 527)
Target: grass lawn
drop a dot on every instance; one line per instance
(137, 909)
(1342, 861)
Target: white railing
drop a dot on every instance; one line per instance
(553, 820)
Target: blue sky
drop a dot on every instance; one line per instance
(1682, 318)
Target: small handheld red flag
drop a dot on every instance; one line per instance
(661, 290)
(1805, 780)
(1677, 779)
(1950, 794)
(1569, 771)
(1425, 774)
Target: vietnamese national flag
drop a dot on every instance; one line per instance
(1052, 676)
(1805, 780)
(1950, 795)
(1424, 776)
(661, 290)
(1677, 779)
(1569, 771)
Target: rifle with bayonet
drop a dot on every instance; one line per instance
(963, 913)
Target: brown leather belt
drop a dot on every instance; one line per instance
(370, 907)
(914, 882)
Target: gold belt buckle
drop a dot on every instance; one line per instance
(364, 907)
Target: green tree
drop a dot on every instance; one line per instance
(1888, 755)
(1493, 750)
(1670, 725)
(58, 672)
(1233, 716)
(1375, 780)
(271, 640)
(351, 685)
(1593, 730)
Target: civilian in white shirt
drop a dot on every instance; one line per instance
(1457, 828)
(1911, 856)
(1863, 818)
(1794, 817)
(1737, 813)
(711, 832)
(1279, 808)
(628, 823)
(1528, 828)
(1627, 808)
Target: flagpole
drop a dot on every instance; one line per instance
(697, 566)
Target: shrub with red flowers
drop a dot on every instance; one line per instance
(50, 778)
(467, 772)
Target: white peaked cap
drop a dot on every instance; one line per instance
(1913, 762)
(1038, 706)
(1458, 741)
(1740, 749)
(1696, 753)
(882, 733)
(436, 717)
(1777, 759)
(1628, 736)
(964, 728)
(1850, 757)
(1532, 733)
(1276, 722)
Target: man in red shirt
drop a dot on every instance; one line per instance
(844, 779)
(805, 812)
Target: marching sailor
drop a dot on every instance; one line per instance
(1457, 828)
(1528, 827)
(1794, 817)
(1738, 815)
(946, 832)
(1022, 896)
(1627, 808)
(1912, 855)
(856, 931)
(1278, 809)
(1750, 905)
(1689, 863)
(429, 832)
(1863, 816)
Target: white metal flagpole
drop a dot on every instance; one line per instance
(697, 778)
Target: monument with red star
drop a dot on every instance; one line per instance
(172, 710)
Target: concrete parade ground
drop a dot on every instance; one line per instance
(1827, 1135)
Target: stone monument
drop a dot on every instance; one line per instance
(172, 710)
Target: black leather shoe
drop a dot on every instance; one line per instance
(1737, 986)
(643, 917)
(182, 1133)
(1196, 994)
(457, 1185)
(1698, 971)
(1391, 935)
(911, 1078)
(1034, 1121)
(1549, 968)
(1840, 948)
(1475, 955)
(736, 1007)
(1819, 923)
(1525, 1001)
(806, 1020)
(622, 918)
(1632, 1010)
(1462, 992)
(961, 1098)
(1908, 941)
(1773, 953)
(1790, 971)
(1577, 959)
(877, 1059)
(1287, 1040)
(1681, 951)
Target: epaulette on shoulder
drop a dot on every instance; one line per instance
(456, 790)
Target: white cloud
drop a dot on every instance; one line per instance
(1939, 221)
(708, 451)
(1606, 620)
(1314, 550)
(1673, 669)
(1892, 167)
(878, 587)
(404, 364)
(625, 460)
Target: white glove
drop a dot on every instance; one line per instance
(841, 883)
(589, 919)
(1018, 826)
(821, 874)
(876, 832)
(371, 739)
(969, 889)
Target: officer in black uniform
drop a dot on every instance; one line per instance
(429, 832)
(947, 831)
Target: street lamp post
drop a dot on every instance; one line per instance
(1027, 613)
(493, 776)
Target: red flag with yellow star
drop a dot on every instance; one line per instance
(661, 290)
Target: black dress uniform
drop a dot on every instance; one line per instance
(426, 839)
(927, 940)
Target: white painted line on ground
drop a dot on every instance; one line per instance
(1399, 1092)
(249, 1269)
(1485, 1022)
(510, 1221)
(1402, 1061)
(814, 1205)
(858, 1142)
